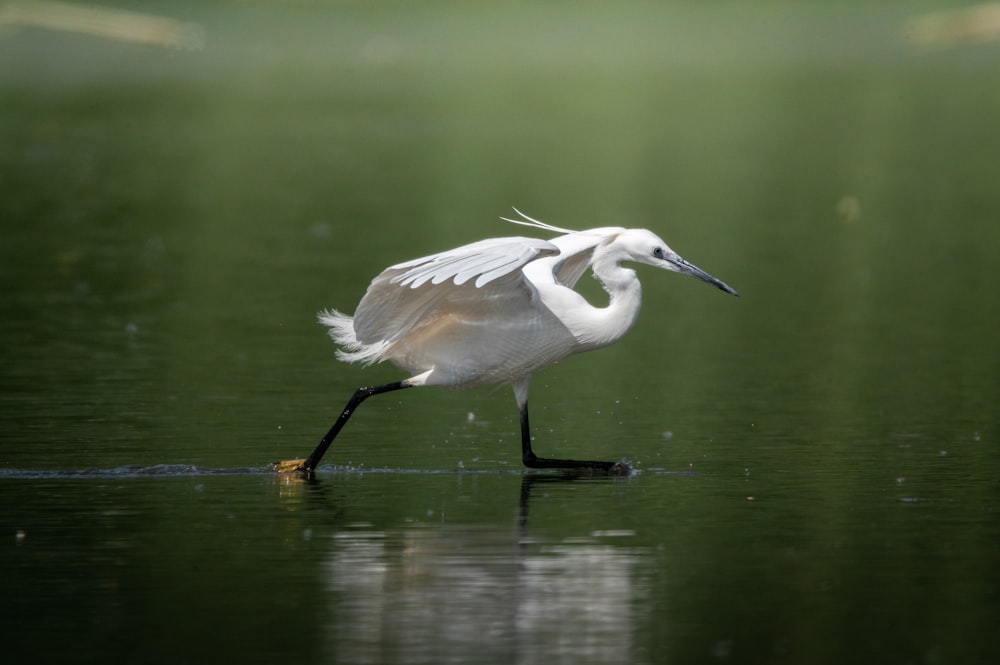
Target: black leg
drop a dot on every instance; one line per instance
(360, 395)
(533, 462)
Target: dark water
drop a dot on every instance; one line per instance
(817, 461)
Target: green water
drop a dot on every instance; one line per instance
(817, 460)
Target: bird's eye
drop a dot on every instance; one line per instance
(658, 252)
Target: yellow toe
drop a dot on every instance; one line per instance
(286, 465)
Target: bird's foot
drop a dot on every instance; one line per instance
(287, 466)
(603, 469)
(579, 467)
(620, 468)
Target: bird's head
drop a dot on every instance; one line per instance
(642, 246)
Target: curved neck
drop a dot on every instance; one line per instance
(625, 299)
(595, 327)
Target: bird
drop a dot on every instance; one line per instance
(495, 312)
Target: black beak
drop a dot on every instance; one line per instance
(685, 268)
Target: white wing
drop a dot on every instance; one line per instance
(485, 260)
(476, 276)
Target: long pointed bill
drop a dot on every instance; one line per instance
(685, 268)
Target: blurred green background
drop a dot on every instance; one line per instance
(184, 184)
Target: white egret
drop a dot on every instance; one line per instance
(496, 311)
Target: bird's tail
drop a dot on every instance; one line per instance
(351, 349)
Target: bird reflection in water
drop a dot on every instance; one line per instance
(458, 593)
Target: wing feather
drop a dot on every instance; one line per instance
(474, 282)
(498, 256)
(405, 294)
